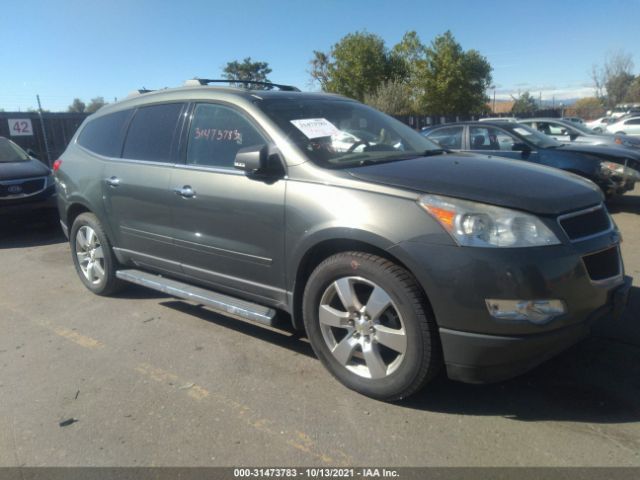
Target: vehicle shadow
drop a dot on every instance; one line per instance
(33, 229)
(596, 381)
(138, 292)
(283, 336)
(625, 204)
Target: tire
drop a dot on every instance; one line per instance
(385, 347)
(93, 256)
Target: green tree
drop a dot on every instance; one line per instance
(409, 60)
(356, 66)
(633, 93)
(393, 97)
(77, 106)
(95, 104)
(523, 105)
(454, 81)
(618, 87)
(589, 107)
(248, 70)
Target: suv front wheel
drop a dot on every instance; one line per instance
(366, 320)
(92, 255)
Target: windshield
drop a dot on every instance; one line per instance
(336, 133)
(540, 140)
(10, 152)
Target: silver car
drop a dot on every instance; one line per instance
(570, 132)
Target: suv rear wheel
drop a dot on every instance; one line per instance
(366, 320)
(92, 255)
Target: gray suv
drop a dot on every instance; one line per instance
(396, 257)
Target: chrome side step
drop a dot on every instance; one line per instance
(223, 304)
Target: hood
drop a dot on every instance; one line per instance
(618, 154)
(611, 140)
(25, 169)
(497, 181)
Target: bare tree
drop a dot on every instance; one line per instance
(618, 62)
(597, 76)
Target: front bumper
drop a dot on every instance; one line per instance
(477, 358)
(480, 348)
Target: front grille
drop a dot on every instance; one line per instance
(21, 188)
(603, 265)
(586, 223)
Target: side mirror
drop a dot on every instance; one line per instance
(252, 159)
(520, 147)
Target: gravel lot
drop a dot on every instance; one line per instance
(154, 381)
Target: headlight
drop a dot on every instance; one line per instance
(474, 224)
(610, 168)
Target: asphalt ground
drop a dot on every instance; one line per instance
(144, 379)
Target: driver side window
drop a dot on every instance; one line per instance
(490, 138)
(217, 133)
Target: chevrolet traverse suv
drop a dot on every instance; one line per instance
(396, 257)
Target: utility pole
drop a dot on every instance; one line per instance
(494, 99)
(44, 132)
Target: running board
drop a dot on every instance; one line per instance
(223, 304)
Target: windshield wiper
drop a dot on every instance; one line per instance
(404, 156)
(433, 153)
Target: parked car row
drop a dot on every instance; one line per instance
(567, 132)
(614, 169)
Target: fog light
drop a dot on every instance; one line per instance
(534, 311)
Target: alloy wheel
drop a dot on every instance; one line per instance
(362, 327)
(90, 254)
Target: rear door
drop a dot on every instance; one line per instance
(632, 126)
(228, 226)
(136, 189)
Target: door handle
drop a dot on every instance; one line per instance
(185, 192)
(113, 181)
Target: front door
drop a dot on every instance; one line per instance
(228, 226)
(498, 142)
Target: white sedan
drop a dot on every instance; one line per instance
(598, 125)
(629, 126)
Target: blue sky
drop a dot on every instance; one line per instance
(68, 48)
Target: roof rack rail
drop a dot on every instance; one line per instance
(207, 81)
(140, 91)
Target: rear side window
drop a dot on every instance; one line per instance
(448, 137)
(633, 121)
(152, 133)
(104, 135)
(216, 135)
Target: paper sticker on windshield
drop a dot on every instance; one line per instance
(521, 131)
(315, 127)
